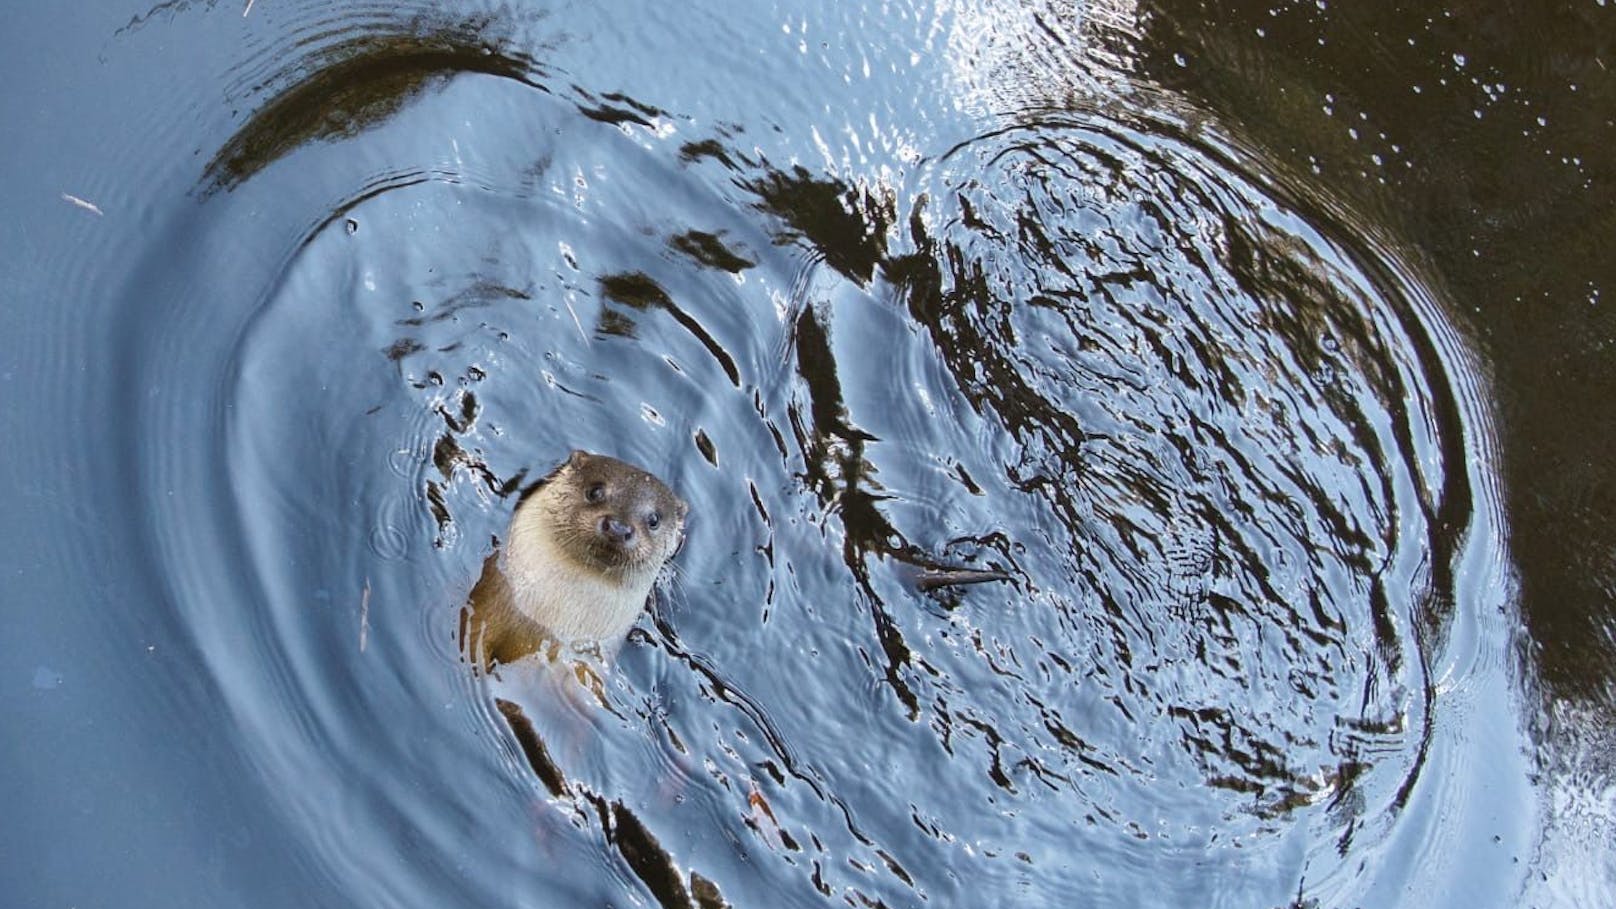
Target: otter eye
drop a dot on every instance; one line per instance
(653, 519)
(596, 492)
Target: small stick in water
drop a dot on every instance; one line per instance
(934, 577)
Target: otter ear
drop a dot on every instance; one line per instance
(578, 458)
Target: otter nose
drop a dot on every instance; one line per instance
(615, 530)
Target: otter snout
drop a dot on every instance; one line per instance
(616, 531)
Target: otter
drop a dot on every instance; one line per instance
(586, 545)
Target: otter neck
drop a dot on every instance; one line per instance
(575, 601)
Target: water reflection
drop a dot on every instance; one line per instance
(347, 87)
(1211, 433)
(1209, 407)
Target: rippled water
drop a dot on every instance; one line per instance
(883, 308)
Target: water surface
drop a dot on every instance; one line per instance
(875, 289)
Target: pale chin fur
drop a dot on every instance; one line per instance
(597, 608)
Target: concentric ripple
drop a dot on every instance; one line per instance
(1233, 464)
(1220, 442)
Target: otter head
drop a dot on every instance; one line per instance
(614, 515)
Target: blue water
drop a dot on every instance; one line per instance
(301, 295)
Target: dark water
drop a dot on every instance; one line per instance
(1276, 400)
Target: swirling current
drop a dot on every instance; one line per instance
(1214, 429)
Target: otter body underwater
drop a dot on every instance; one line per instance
(585, 547)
